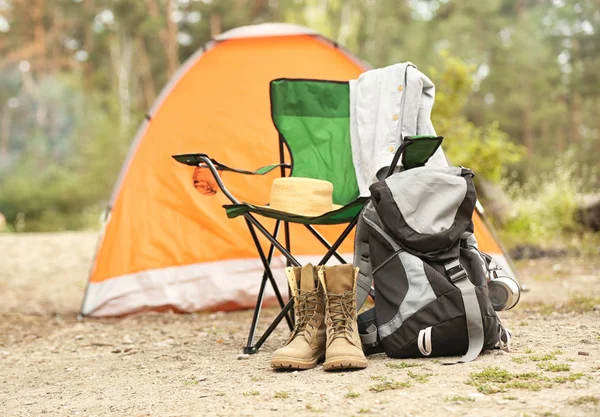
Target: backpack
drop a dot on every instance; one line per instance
(415, 243)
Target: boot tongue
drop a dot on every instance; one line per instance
(339, 278)
(307, 278)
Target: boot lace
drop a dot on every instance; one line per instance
(306, 306)
(341, 310)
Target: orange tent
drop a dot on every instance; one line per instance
(164, 245)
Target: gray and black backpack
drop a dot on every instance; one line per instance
(415, 244)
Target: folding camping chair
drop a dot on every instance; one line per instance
(313, 121)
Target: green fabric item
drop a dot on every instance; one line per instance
(421, 149)
(340, 216)
(313, 117)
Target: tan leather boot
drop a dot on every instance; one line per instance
(306, 346)
(344, 350)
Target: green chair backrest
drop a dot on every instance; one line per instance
(313, 118)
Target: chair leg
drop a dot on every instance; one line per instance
(252, 224)
(288, 247)
(283, 313)
(333, 249)
(267, 275)
(249, 348)
(267, 265)
(324, 242)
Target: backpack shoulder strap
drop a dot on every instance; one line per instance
(458, 276)
(362, 260)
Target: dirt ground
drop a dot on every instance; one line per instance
(187, 365)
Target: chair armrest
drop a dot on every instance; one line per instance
(203, 160)
(197, 159)
(415, 151)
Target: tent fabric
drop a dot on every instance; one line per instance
(163, 244)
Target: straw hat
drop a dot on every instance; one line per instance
(303, 196)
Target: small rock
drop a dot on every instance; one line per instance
(78, 337)
(580, 382)
(164, 343)
(586, 341)
(583, 326)
(582, 353)
(596, 307)
(200, 378)
(127, 340)
(243, 357)
(4, 353)
(475, 395)
(115, 351)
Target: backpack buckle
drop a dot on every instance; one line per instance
(455, 271)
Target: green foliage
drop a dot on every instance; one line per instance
(486, 150)
(543, 208)
(64, 179)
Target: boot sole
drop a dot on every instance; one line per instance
(345, 362)
(294, 363)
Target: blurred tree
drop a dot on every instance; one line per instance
(77, 76)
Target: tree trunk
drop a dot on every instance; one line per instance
(167, 35)
(145, 72)
(171, 43)
(215, 24)
(5, 123)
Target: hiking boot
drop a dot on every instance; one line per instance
(306, 345)
(344, 349)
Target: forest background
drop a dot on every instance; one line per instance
(518, 94)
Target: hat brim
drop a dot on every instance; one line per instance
(334, 207)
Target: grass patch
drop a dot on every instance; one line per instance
(459, 399)
(519, 359)
(554, 367)
(586, 399)
(494, 379)
(492, 374)
(312, 408)
(190, 382)
(510, 398)
(578, 304)
(402, 365)
(574, 376)
(220, 394)
(364, 411)
(352, 395)
(379, 378)
(281, 394)
(250, 393)
(581, 304)
(422, 378)
(389, 385)
(528, 350)
(546, 357)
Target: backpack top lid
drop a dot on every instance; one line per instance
(427, 209)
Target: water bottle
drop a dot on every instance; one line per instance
(504, 291)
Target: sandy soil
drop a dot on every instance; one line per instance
(186, 365)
